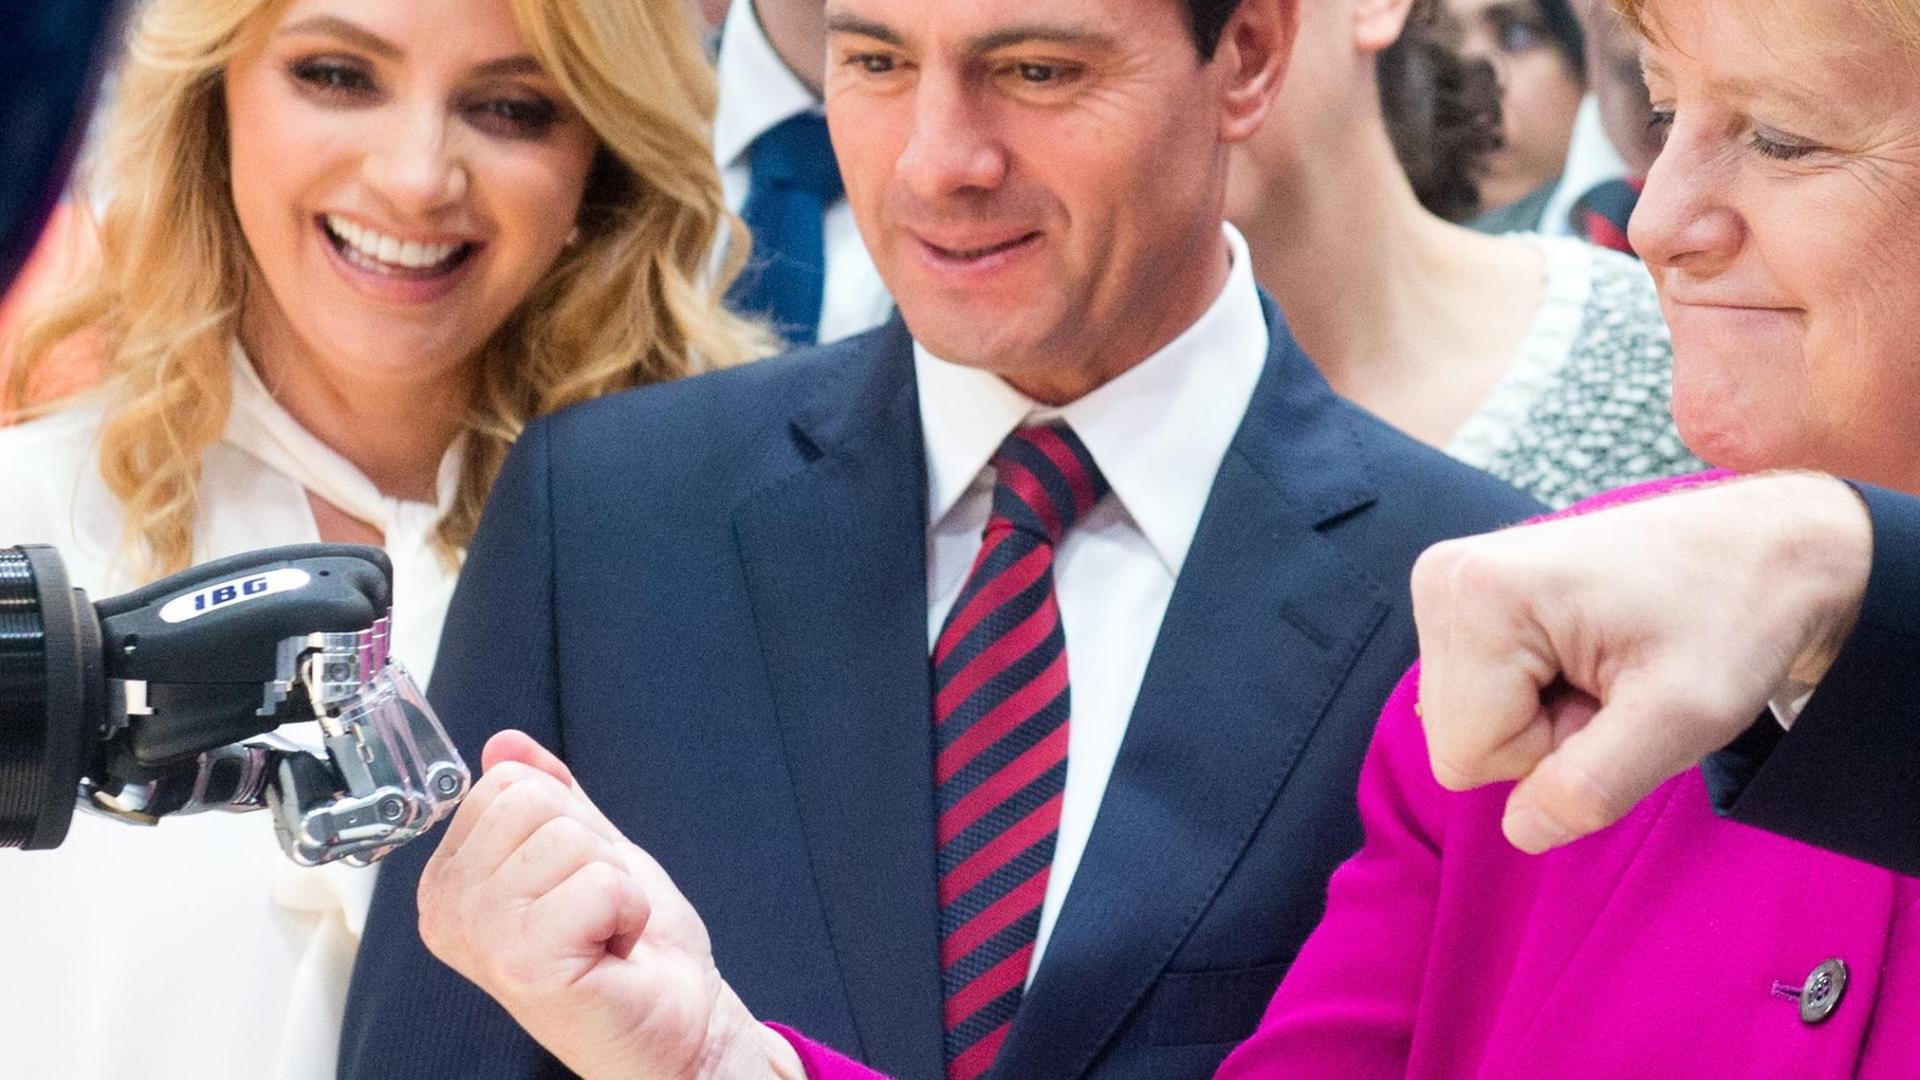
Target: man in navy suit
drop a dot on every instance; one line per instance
(993, 685)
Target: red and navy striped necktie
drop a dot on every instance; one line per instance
(1000, 713)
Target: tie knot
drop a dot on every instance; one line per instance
(796, 153)
(1046, 481)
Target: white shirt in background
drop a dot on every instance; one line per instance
(1591, 159)
(1158, 433)
(757, 92)
(193, 949)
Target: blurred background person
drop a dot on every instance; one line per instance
(49, 72)
(1541, 360)
(1777, 222)
(1612, 145)
(1619, 87)
(348, 249)
(1601, 210)
(810, 275)
(68, 250)
(1538, 53)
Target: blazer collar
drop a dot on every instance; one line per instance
(864, 404)
(834, 557)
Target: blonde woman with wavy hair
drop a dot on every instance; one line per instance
(348, 249)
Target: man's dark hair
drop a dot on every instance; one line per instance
(1209, 19)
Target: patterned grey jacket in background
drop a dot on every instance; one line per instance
(1587, 404)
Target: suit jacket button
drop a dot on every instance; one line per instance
(1821, 993)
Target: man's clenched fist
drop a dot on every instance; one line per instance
(1592, 658)
(540, 901)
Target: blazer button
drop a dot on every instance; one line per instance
(1820, 995)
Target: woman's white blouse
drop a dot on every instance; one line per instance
(195, 948)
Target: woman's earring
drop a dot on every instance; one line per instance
(573, 238)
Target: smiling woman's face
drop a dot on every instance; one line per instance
(1782, 225)
(404, 174)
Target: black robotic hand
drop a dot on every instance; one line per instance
(165, 701)
(161, 702)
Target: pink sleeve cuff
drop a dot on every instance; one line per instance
(822, 1063)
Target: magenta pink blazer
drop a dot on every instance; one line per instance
(1661, 947)
(1652, 948)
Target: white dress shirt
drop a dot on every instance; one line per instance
(1158, 433)
(194, 949)
(758, 91)
(1591, 159)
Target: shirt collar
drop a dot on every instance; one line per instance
(757, 88)
(1158, 432)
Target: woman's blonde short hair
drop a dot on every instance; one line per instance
(1900, 17)
(635, 301)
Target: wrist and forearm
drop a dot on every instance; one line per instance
(598, 1042)
(1818, 563)
(1764, 576)
(740, 1047)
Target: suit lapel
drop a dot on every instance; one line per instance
(839, 549)
(1262, 627)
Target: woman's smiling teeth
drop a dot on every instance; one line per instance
(382, 254)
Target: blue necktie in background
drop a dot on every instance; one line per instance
(793, 179)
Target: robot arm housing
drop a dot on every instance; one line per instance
(161, 702)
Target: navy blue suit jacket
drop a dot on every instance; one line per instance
(710, 596)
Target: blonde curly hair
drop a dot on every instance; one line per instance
(635, 301)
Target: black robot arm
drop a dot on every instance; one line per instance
(163, 701)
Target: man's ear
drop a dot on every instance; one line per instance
(1255, 46)
(1377, 24)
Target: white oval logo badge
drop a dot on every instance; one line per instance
(228, 593)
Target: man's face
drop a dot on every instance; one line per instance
(1039, 181)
